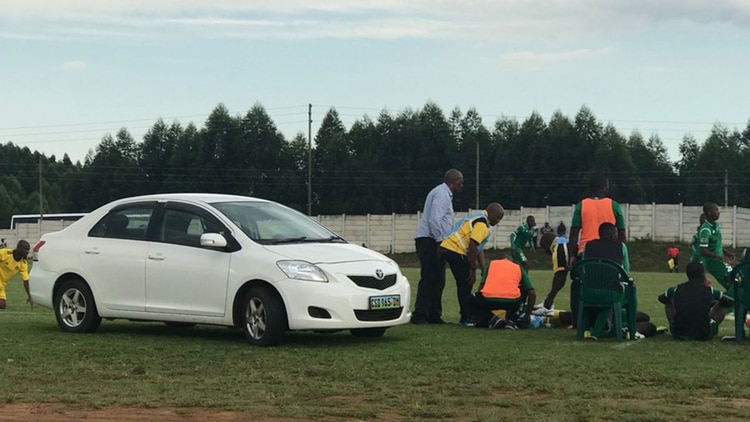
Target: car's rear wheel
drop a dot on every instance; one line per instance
(368, 332)
(75, 309)
(263, 317)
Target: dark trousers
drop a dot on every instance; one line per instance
(558, 282)
(461, 269)
(428, 305)
(481, 308)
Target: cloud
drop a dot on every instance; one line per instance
(477, 20)
(532, 58)
(74, 65)
(20, 35)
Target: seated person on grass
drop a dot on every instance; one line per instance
(693, 309)
(505, 285)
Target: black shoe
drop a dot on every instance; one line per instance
(419, 321)
(436, 321)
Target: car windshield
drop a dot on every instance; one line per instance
(270, 223)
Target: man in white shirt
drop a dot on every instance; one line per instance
(436, 223)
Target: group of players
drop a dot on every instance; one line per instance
(694, 308)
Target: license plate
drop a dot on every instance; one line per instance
(385, 302)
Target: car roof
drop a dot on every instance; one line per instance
(191, 197)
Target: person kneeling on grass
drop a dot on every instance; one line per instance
(693, 309)
(505, 285)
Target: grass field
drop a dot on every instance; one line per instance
(412, 373)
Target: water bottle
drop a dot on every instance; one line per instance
(536, 321)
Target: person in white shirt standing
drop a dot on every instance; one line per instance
(436, 223)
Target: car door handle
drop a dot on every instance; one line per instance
(157, 257)
(92, 252)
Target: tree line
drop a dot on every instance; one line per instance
(382, 165)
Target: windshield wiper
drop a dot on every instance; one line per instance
(289, 240)
(304, 239)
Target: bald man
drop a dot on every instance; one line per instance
(463, 250)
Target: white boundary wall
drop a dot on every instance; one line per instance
(660, 222)
(394, 233)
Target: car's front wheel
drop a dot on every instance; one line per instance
(75, 309)
(263, 317)
(368, 332)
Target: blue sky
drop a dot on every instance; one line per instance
(72, 71)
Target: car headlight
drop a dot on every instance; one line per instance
(301, 270)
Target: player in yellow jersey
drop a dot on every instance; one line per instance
(12, 262)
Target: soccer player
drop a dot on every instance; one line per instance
(557, 246)
(710, 251)
(520, 238)
(695, 243)
(693, 309)
(588, 216)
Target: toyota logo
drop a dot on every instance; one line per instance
(379, 274)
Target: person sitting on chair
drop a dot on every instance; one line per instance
(695, 310)
(608, 246)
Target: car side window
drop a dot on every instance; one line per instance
(128, 223)
(183, 227)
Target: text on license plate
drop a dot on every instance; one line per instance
(385, 302)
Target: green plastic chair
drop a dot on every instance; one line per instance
(604, 284)
(740, 279)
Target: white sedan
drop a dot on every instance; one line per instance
(188, 259)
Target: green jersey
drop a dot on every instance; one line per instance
(695, 247)
(708, 236)
(522, 236)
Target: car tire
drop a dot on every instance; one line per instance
(263, 317)
(75, 309)
(368, 332)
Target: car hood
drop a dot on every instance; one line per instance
(327, 253)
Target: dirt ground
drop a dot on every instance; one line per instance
(56, 412)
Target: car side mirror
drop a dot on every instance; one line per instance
(213, 240)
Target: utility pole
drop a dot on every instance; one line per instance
(726, 188)
(476, 177)
(309, 159)
(41, 198)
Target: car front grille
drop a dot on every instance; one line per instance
(379, 314)
(372, 282)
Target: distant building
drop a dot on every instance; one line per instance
(34, 218)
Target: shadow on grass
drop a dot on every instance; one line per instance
(136, 329)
